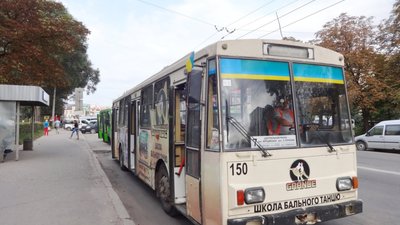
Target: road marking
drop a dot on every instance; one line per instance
(380, 171)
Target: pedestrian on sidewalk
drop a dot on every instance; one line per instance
(75, 129)
(57, 125)
(46, 128)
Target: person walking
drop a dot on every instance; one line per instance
(46, 128)
(57, 125)
(75, 129)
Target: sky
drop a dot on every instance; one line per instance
(131, 40)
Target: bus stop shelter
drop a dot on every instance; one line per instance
(12, 97)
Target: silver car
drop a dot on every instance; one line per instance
(384, 135)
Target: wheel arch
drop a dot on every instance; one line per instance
(364, 142)
(160, 163)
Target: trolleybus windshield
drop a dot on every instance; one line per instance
(282, 110)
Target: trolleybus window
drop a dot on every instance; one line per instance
(212, 118)
(257, 102)
(147, 101)
(322, 109)
(193, 129)
(161, 102)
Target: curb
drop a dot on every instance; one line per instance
(116, 201)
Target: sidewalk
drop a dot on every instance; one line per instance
(60, 182)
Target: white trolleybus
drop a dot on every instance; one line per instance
(246, 132)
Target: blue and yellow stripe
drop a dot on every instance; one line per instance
(254, 69)
(317, 73)
(270, 70)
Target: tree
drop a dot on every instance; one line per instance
(41, 44)
(354, 37)
(389, 42)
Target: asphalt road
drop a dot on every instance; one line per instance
(378, 172)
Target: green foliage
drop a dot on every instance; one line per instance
(42, 44)
(372, 64)
(25, 131)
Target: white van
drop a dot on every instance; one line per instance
(384, 135)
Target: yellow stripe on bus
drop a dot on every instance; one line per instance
(255, 77)
(319, 80)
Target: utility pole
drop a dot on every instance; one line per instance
(54, 106)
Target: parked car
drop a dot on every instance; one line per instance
(69, 124)
(89, 118)
(90, 128)
(384, 135)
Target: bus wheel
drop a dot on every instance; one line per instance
(163, 191)
(361, 146)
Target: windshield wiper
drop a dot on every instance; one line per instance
(315, 127)
(239, 127)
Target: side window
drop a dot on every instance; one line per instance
(378, 130)
(147, 102)
(161, 102)
(212, 114)
(392, 130)
(126, 110)
(106, 118)
(193, 131)
(121, 112)
(133, 118)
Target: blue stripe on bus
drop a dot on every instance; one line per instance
(254, 69)
(316, 73)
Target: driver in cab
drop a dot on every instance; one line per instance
(283, 119)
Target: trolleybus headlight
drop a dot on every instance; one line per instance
(254, 195)
(344, 183)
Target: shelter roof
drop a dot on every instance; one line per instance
(26, 95)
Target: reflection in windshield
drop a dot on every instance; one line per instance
(321, 105)
(258, 95)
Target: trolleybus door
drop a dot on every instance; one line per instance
(193, 145)
(179, 145)
(114, 141)
(132, 134)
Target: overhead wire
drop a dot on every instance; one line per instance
(176, 12)
(241, 18)
(269, 13)
(276, 19)
(318, 11)
(237, 20)
(248, 14)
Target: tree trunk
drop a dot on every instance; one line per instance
(366, 118)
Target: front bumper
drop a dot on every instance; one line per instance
(294, 217)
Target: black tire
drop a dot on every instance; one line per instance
(163, 191)
(121, 161)
(361, 146)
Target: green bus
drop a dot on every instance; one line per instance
(104, 125)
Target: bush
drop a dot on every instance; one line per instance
(25, 131)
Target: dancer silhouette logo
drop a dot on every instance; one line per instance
(299, 171)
